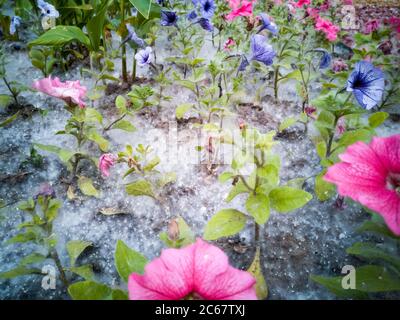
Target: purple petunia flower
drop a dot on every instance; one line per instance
(267, 24)
(261, 50)
(47, 9)
(132, 36)
(207, 8)
(367, 84)
(168, 18)
(192, 15)
(326, 58)
(14, 24)
(243, 63)
(143, 57)
(206, 24)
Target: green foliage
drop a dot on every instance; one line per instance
(38, 230)
(179, 234)
(261, 186)
(128, 261)
(384, 276)
(148, 181)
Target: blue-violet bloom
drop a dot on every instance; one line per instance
(14, 24)
(168, 18)
(367, 84)
(261, 50)
(267, 24)
(132, 36)
(47, 9)
(206, 24)
(207, 8)
(143, 57)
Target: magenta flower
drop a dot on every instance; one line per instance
(301, 3)
(228, 44)
(106, 161)
(240, 8)
(69, 91)
(327, 27)
(371, 26)
(370, 175)
(199, 270)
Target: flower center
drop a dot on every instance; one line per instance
(393, 182)
(193, 296)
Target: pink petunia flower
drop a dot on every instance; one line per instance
(228, 44)
(199, 270)
(106, 161)
(327, 27)
(348, 2)
(313, 12)
(301, 3)
(370, 175)
(69, 91)
(240, 8)
(371, 26)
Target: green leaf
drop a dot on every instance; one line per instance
(378, 228)
(225, 176)
(92, 115)
(371, 251)
(64, 155)
(376, 119)
(350, 137)
(334, 285)
(32, 258)
(256, 270)
(95, 25)
(120, 103)
(151, 164)
(52, 210)
(87, 188)
(97, 138)
(288, 122)
(224, 223)
(124, 125)
(5, 101)
(323, 189)
(84, 271)
(75, 248)
(166, 178)
(60, 36)
(285, 199)
(19, 271)
(143, 6)
(89, 290)
(118, 294)
(9, 120)
(128, 260)
(182, 109)
(22, 238)
(258, 206)
(140, 188)
(321, 149)
(186, 235)
(376, 279)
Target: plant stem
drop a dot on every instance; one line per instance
(11, 90)
(124, 73)
(114, 122)
(56, 259)
(276, 79)
(134, 66)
